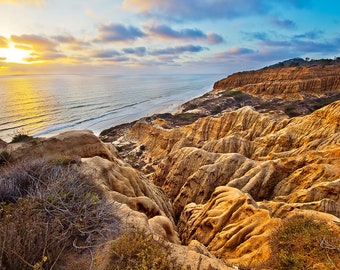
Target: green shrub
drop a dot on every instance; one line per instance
(119, 148)
(301, 243)
(21, 137)
(136, 250)
(46, 210)
(232, 93)
(290, 110)
(66, 160)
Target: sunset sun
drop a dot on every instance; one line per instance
(14, 55)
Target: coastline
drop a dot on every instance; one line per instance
(93, 103)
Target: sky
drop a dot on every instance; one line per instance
(163, 36)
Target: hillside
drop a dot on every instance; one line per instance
(245, 176)
(241, 143)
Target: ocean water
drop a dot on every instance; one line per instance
(44, 105)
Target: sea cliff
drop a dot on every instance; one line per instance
(215, 182)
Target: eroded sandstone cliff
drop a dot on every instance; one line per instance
(217, 179)
(136, 202)
(240, 169)
(288, 83)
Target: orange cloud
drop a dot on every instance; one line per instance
(3, 42)
(36, 42)
(24, 2)
(139, 5)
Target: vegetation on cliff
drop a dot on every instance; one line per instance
(48, 210)
(233, 180)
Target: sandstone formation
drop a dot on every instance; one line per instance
(233, 174)
(213, 182)
(316, 80)
(279, 91)
(138, 203)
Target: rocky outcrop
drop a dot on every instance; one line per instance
(243, 162)
(137, 202)
(231, 225)
(288, 83)
(279, 91)
(217, 178)
(80, 143)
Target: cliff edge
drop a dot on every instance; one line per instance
(245, 177)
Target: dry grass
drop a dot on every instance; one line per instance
(5, 158)
(138, 251)
(47, 209)
(303, 243)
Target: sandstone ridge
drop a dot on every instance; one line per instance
(284, 82)
(213, 182)
(237, 172)
(137, 202)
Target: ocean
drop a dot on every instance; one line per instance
(45, 105)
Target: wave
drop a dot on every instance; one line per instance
(92, 101)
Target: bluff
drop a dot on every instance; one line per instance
(214, 182)
(287, 83)
(260, 148)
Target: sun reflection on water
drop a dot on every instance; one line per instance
(23, 107)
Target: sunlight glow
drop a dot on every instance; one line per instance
(14, 55)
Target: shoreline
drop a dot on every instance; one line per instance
(98, 103)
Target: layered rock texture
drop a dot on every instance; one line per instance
(215, 180)
(137, 203)
(244, 164)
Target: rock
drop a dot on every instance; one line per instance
(231, 226)
(287, 83)
(244, 165)
(223, 172)
(81, 143)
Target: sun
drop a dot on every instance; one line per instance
(14, 55)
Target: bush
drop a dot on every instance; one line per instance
(301, 243)
(21, 137)
(290, 110)
(137, 250)
(66, 160)
(232, 93)
(47, 210)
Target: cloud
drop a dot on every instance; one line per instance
(36, 42)
(235, 51)
(110, 56)
(65, 39)
(315, 47)
(119, 32)
(47, 56)
(71, 42)
(139, 51)
(24, 2)
(23, 47)
(3, 42)
(107, 54)
(120, 59)
(166, 32)
(316, 34)
(178, 50)
(214, 9)
(213, 38)
(272, 47)
(3, 58)
(303, 43)
(250, 56)
(286, 24)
